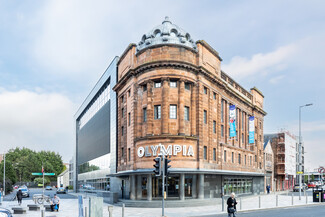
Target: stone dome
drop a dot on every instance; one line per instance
(166, 33)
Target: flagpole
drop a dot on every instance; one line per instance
(43, 178)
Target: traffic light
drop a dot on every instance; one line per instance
(167, 166)
(157, 166)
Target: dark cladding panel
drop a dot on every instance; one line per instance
(94, 136)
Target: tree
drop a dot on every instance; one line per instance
(10, 175)
(26, 161)
(39, 180)
(312, 177)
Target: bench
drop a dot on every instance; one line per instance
(34, 207)
(47, 207)
(19, 210)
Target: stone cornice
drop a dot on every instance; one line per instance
(167, 136)
(207, 46)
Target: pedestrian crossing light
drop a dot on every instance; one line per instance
(157, 166)
(167, 166)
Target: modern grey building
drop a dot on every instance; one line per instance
(95, 151)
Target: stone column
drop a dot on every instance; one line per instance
(193, 109)
(150, 108)
(181, 109)
(182, 186)
(194, 184)
(201, 186)
(149, 187)
(165, 106)
(139, 187)
(132, 190)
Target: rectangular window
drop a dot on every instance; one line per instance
(205, 150)
(129, 93)
(222, 110)
(157, 84)
(173, 83)
(255, 158)
(173, 111)
(214, 127)
(214, 95)
(205, 116)
(214, 154)
(122, 99)
(222, 131)
(187, 113)
(232, 157)
(250, 160)
(239, 159)
(242, 138)
(122, 130)
(225, 156)
(157, 110)
(260, 165)
(205, 90)
(245, 160)
(144, 114)
(122, 150)
(129, 117)
(122, 111)
(242, 120)
(187, 86)
(144, 87)
(129, 154)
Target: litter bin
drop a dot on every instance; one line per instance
(318, 193)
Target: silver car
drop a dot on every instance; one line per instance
(5, 213)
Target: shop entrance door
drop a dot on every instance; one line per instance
(172, 190)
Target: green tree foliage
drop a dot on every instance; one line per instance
(39, 180)
(26, 161)
(312, 177)
(10, 175)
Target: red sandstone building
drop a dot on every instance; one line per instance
(173, 97)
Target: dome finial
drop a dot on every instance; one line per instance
(166, 20)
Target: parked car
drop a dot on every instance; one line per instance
(311, 185)
(25, 192)
(5, 212)
(48, 188)
(61, 191)
(303, 187)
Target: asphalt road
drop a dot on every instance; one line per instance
(33, 191)
(303, 211)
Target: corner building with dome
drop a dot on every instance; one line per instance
(174, 98)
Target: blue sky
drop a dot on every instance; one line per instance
(53, 52)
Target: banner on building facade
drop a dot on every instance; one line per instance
(232, 117)
(251, 130)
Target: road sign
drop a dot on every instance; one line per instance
(321, 170)
(45, 174)
(299, 172)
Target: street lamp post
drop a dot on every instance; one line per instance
(4, 175)
(300, 148)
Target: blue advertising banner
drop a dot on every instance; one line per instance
(232, 117)
(251, 130)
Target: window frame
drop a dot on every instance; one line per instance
(157, 112)
(173, 115)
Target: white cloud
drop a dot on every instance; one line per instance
(276, 79)
(264, 63)
(37, 121)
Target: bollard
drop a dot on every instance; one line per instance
(259, 201)
(319, 196)
(123, 206)
(222, 204)
(306, 199)
(240, 202)
(292, 199)
(277, 201)
(86, 211)
(110, 210)
(42, 212)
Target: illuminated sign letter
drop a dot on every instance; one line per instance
(154, 149)
(165, 151)
(140, 152)
(190, 151)
(177, 149)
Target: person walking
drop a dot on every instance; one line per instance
(231, 205)
(19, 196)
(268, 188)
(55, 203)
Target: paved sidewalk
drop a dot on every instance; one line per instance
(69, 207)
